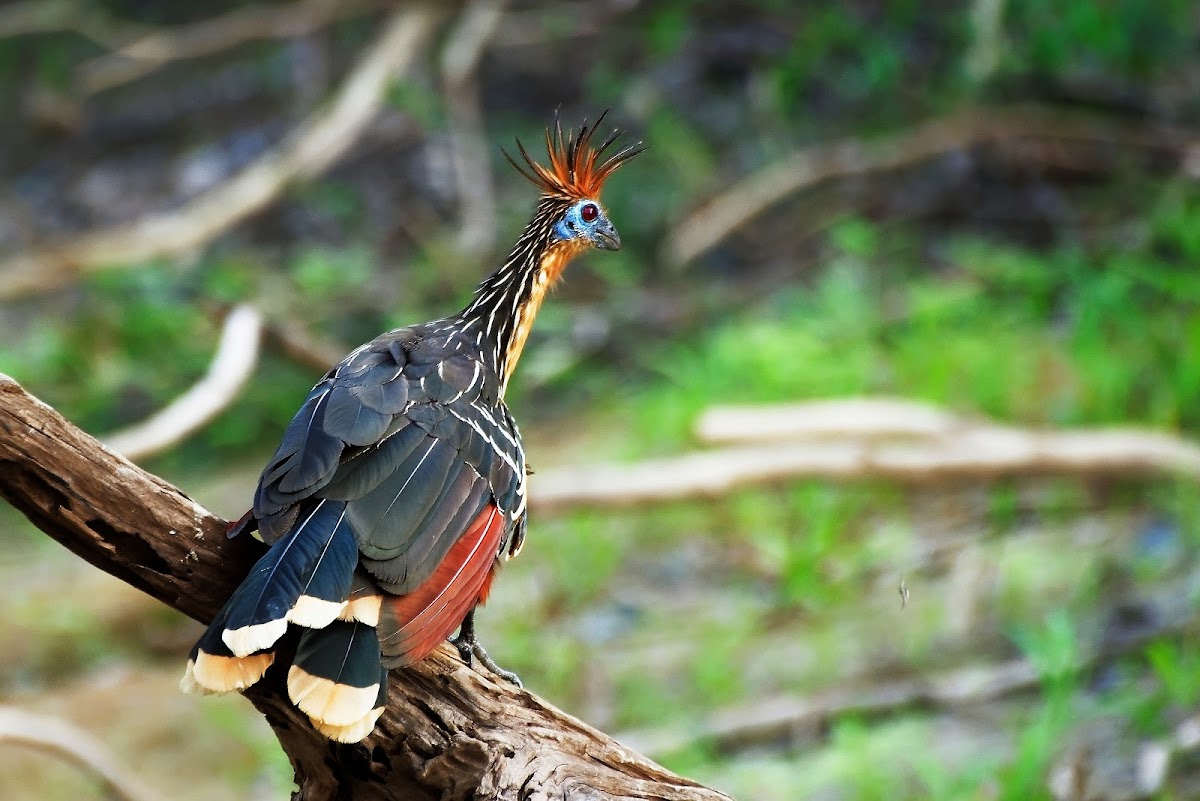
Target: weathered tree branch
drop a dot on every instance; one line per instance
(56, 16)
(449, 732)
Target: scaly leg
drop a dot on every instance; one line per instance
(469, 646)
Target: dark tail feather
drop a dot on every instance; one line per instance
(358, 731)
(212, 667)
(327, 586)
(310, 561)
(337, 680)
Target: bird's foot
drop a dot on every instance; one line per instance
(469, 647)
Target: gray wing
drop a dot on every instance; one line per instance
(410, 433)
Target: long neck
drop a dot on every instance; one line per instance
(507, 301)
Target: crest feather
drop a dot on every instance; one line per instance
(577, 169)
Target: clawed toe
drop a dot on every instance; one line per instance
(469, 647)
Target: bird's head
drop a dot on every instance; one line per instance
(571, 184)
(587, 222)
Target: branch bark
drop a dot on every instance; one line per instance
(449, 732)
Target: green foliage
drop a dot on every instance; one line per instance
(1024, 777)
(690, 161)
(716, 670)
(1004, 506)
(1053, 649)
(1179, 501)
(1176, 666)
(327, 274)
(418, 100)
(872, 779)
(667, 29)
(1059, 37)
(863, 57)
(110, 348)
(257, 759)
(802, 535)
(588, 549)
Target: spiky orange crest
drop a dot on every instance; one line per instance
(577, 170)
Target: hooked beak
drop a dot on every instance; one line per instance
(605, 237)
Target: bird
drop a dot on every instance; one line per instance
(399, 487)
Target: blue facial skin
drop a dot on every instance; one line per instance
(599, 232)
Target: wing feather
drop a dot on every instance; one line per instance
(412, 625)
(352, 422)
(409, 435)
(384, 519)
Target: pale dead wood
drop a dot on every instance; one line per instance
(64, 16)
(317, 143)
(230, 369)
(152, 49)
(869, 418)
(64, 740)
(909, 444)
(718, 217)
(945, 435)
(987, 27)
(468, 143)
(449, 733)
(137, 50)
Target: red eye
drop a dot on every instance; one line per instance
(589, 212)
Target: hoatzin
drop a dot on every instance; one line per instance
(400, 484)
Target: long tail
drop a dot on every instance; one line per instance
(339, 675)
(305, 578)
(354, 630)
(338, 681)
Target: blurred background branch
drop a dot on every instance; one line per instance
(311, 148)
(150, 50)
(468, 143)
(232, 366)
(68, 742)
(884, 447)
(1060, 134)
(38, 16)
